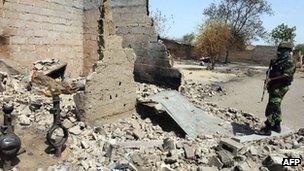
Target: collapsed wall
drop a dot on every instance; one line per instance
(111, 88)
(35, 30)
(153, 64)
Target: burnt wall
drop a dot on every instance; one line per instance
(153, 64)
(110, 89)
(91, 30)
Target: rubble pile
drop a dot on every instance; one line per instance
(47, 64)
(138, 143)
(242, 71)
(200, 91)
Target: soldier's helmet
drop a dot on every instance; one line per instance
(285, 45)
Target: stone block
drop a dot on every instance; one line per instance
(231, 145)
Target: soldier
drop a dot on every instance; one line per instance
(281, 74)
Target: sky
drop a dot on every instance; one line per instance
(187, 16)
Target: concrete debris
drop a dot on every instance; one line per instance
(207, 169)
(169, 144)
(274, 163)
(231, 145)
(46, 65)
(141, 142)
(301, 131)
(24, 120)
(164, 167)
(226, 158)
(215, 161)
(76, 130)
(189, 152)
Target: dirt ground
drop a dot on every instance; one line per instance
(245, 92)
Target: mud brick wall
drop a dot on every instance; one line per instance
(239, 56)
(111, 89)
(153, 64)
(92, 12)
(180, 51)
(41, 29)
(259, 55)
(263, 54)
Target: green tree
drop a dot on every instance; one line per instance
(283, 33)
(243, 17)
(213, 40)
(189, 38)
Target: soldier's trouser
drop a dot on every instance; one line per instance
(273, 109)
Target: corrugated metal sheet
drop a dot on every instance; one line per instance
(191, 119)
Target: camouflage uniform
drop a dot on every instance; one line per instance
(283, 67)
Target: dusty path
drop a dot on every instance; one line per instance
(245, 94)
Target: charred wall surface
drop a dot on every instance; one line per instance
(91, 33)
(111, 88)
(153, 64)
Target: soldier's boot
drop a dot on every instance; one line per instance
(277, 127)
(266, 130)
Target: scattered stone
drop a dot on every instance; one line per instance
(75, 130)
(215, 161)
(24, 120)
(85, 164)
(242, 167)
(140, 144)
(295, 145)
(169, 144)
(253, 150)
(301, 132)
(207, 169)
(85, 144)
(137, 135)
(264, 169)
(226, 158)
(108, 149)
(137, 160)
(231, 145)
(164, 167)
(131, 167)
(274, 163)
(189, 152)
(35, 105)
(67, 123)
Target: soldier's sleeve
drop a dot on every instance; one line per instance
(289, 69)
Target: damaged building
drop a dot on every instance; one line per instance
(112, 42)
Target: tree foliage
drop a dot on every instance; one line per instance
(189, 38)
(283, 33)
(162, 22)
(213, 40)
(300, 47)
(243, 17)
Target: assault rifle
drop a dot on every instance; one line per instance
(266, 82)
